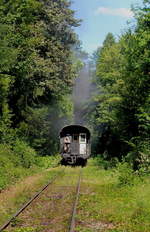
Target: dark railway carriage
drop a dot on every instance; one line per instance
(75, 146)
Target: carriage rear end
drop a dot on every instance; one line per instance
(75, 146)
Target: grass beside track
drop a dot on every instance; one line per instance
(15, 196)
(106, 205)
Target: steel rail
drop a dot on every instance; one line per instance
(29, 202)
(72, 221)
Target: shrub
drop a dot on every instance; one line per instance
(144, 158)
(106, 164)
(139, 156)
(6, 165)
(125, 174)
(48, 161)
(14, 162)
(25, 154)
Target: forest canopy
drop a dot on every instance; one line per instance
(37, 71)
(36, 68)
(121, 115)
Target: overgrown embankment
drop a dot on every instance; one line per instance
(21, 160)
(113, 200)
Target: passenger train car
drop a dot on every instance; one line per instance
(75, 145)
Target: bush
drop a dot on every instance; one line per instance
(139, 156)
(125, 174)
(144, 158)
(48, 161)
(14, 162)
(25, 154)
(106, 164)
(6, 165)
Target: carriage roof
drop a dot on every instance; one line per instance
(74, 129)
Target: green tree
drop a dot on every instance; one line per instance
(122, 105)
(36, 64)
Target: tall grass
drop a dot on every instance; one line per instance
(20, 160)
(114, 200)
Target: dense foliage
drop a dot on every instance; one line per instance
(122, 113)
(37, 69)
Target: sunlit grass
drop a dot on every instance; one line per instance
(15, 196)
(105, 205)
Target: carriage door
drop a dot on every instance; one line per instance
(82, 143)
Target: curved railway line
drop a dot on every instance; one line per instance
(54, 192)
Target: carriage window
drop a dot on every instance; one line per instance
(82, 138)
(75, 137)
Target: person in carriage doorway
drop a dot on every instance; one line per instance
(67, 142)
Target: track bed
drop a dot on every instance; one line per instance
(52, 211)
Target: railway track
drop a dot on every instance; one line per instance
(73, 215)
(3, 227)
(54, 200)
